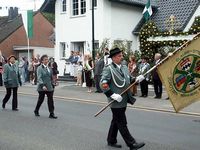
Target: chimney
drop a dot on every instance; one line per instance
(12, 13)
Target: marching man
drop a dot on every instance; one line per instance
(115, 79)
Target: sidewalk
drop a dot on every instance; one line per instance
(68, 90)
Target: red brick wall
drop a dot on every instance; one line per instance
(42, 30)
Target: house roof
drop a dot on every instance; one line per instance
(7, 27)
(139, 3)
(48, 6)
(181, 10)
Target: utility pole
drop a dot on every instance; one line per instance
(93, 47)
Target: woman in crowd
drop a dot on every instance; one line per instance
(89, 74)
(53, 65)
(132, 66)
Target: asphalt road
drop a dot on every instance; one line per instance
(77, 129)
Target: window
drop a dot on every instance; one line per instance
(64, 5)
(78, 7)
(83, 6)
(63, 49)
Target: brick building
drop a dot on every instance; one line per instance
(13, 38)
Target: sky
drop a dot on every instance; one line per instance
(21, 4)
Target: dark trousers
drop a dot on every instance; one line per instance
(49, 100)
(119, 123)
(157, 87)
(1, 81)
(144, 87)
(97, 81)
(8, 94)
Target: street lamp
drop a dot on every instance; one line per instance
(93, 47)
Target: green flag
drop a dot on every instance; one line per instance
(147, 12)
(28, 22)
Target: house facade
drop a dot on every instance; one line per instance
(113, 20)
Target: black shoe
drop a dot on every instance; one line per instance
(136, 146)
(52, 116)
(157, 97)
(36, 113)
(15, 109)
(144, 95)
(114, 145)
(3, 105)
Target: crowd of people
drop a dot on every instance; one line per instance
(88, 71)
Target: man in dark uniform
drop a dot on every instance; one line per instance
(11, 80)
(45, 87)
(115, 79)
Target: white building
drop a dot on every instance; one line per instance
(114, 20)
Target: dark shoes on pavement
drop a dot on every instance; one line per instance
(136, 146)
(115, 145)
(157, 97)
(15, 109)
(36, 113)
(52, 116)
(143, 96)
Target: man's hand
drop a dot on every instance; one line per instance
(139, 78)
(116, 97)
(44, 88)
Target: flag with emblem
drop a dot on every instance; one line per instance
(147, 12)
(27, 17)
(182, 78)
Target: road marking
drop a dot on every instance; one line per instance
(72, 99)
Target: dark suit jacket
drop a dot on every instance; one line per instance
(98, 67)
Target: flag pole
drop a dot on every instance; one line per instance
(28, 49)
(150, 70)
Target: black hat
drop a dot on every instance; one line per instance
(114, 51)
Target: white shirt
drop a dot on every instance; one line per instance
(46, 67)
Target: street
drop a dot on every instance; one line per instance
(77, 129)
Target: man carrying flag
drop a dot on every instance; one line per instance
(147, 12)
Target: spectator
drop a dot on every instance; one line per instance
(99, 64)
(132, 66)
(156, 79)
(30, 70)
(106, 58)
(21, 66)
(36, 64)
(143, 68)
(1, 73)
(53, 65)
(89, 75)
(79, 74)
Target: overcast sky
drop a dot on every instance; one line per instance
(22, 4)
